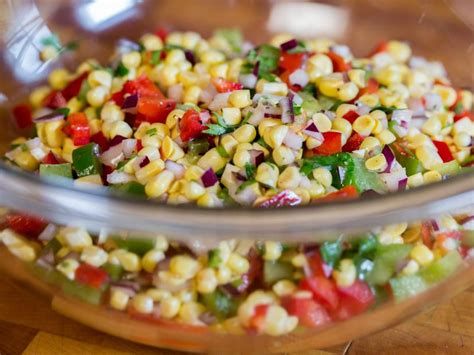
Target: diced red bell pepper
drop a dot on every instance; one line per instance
(310, 313)
(190, 125)
(254, 274)
(324, 291)
(27, 225)
(353, 143)
(285, 77)
(54, 100)
(139, 145)
(283, 198)
(78, 128)
(379, 48)
(162, 33)
(460, 116)
(91, 276)
(371, 88)
(74, 87)
(354, 300)
(118, 98)
(291, 61)
(50, 159)
(426, 234)
(351, 116)
(443, 151)
(257, 320)
(153, 109)
(347, 192)
(332, 144)
(23, 115)
(317, 265)
(222, 85)
(338, 63)
(100, 139)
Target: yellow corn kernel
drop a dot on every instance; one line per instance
(168, 75)
(94, 255)
(232, 115)
(290, 178)
(371, 100)
(432, 126)
(48, 52)
(284, 288)
(448, 94)
(130, 261)
(184, 266)
(323, 176)
(329, 85)
(173, 118)
(171, 150)
(212, 159)
(131, 60)
(119, 300)
(97, 96)
(319, 65)
(159, 184)
(280, 38)
(175, 56)
(342, 125)
(58, 79)
(151, 259)
(152, 169)
(234, 69)
(53, 132)
(316, 189)
(17, 245)
(151, 42)
(462, 155)
(283, 155)
(120, 128)
(76, 238)
(68, 268)
(312, 143)
(342, 109)
(191, 39)
(206, 280)
(377, 163)
(175, 38)
(357, 76)
(278, 322)
(415, 180)
(157, 294)
(389, 75)
(428, 156)
(169, 307)
(267, 174)
(26, 161)
(238, 264)
(194, 172)
(273, 251)
(111, 112)
(189, 312)
(188, 78)
(322, 122)
(431, 176)
(193, 190)
(299, 260)
(212, 56)
(142, 303)
(346, 274)
(209, 200)
(38, 95)
(151, 152)
(267, 123)
(370, 143)
(411, 268)
(259, 85)
(462, 139)
(89, 181)
(219, 70)
(422, 254)
(240, 98)
(386, 137)
(275, 135)
(399, 51)
(100, 78)
(348, 91)
(191, 94)
(466, 99)
(364, 125)
(275, 88)
(224, 275)
(464, 125)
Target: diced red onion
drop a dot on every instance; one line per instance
(401, 115)
(256, 68)
(220, 101)
(256, 156)
(50, 117)
(125, 284)
(207, 95)
(433, 102)
(400, 131)
(112, 156)
(125, 45)
(130, 104)
(128, 147)
(312, 131)
(175, 92)
(299, 77)
(204, 116)
(119, 177)
(116, 140)
(362, 109)
(416, 106)
(341, 50)
(238, 176)
(272, 115)
(292, 43)
(257, 116)
(209, 178)
(293, 140)
(402, 184)
(248, 80)
(177, 169)
(287, 115)
(434, 225)
(297, 99)
(389, 157)
(48, 233)
(245, 197)
(392, 179)
(144, 161)
(190, 56)
(331, 115)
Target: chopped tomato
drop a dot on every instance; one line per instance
(291, 61)
(162, 33)
(153, 109)
(225, 86)
(78, 128)
(50, 159)
(324, 291)
(351, 116)
(254, 274)
(379, 48)
(25, 224)
(371, 88)
(54, 100)
(285, 77)
(332, 144)
(347, 192)
(317, 265)
(100, 139)
(74, 87)
(190, 125)
(426, 235)
(354, 300)
(309, 312)
(338, 63)
(353, 143)
(23, 115)
(139, 145)
(443, 151)
(91, 276)
(258, 318)
(118, 98)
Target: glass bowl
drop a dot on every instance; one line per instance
(440, 30)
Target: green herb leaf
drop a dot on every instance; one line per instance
(250, 171)
(121, 70)
(63, 111)
(155, 57)
(331, 252)
(214, 258)
(53, 41)
(300, 48)
(220, 128)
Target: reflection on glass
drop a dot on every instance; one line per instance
(98, 15)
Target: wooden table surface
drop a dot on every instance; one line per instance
(29, 326)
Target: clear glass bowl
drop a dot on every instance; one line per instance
(439, 30)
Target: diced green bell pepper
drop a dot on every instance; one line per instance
(274, 271)
(85, 160)
(53, 245)
(386, 259)
(441, 268)
(84, 293)
(135, 245)
(221, 305)
(131, 188)
(214, 258)
(310, 105)
(115, 271)
(407, 159)
(56, 170)
(448, 169)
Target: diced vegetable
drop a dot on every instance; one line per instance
(219, 304)
(386, 260)
(136, 245)
(56, 170)
(274, 271)
(85, 160)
